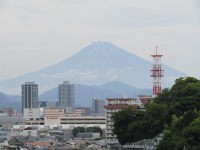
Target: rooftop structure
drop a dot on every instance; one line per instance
(145, 99)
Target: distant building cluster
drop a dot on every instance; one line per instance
(39, 116)
(66, 99)
(64, 113)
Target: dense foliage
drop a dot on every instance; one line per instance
(77, 130)
(175, 112)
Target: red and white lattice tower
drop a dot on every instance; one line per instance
(157, 73)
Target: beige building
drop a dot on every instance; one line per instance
(52, 116)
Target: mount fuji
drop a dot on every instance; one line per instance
(96, 64)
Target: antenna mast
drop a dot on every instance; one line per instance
(157, 73)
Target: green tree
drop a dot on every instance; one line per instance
(184, 133)
(192, 134)
(174, 112)
(95, 130)
(77, 130)
(123, 121)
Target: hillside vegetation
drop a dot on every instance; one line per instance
(175, 113)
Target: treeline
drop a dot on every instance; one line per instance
(175, 113)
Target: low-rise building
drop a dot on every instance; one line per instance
(52, 116)
(88, 135)
(83, 121)
(30, 131)
(31, 113)
(55, 117)
(84, 111)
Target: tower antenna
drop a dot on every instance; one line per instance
(157, 73)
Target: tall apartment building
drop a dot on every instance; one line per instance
(66, 97)
(29, 95)
(98, 107)
(114, 105)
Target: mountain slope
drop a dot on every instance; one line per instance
(119, 87)
(98, 55)
(84, 94)
(98, 63)
(13, 101)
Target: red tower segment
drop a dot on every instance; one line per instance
(157, 73)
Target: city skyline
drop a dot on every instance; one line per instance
(31, 29)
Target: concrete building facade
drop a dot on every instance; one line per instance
(114, 105)
(52, 116)
(98, 107)
(66, 97)
(32, 113)
(55, 118)
(29, 95)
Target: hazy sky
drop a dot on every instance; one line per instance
(38, 33)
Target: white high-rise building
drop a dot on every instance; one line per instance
(29, 95)
(66, 97)
(114, 105)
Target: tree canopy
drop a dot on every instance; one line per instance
(175, 112)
